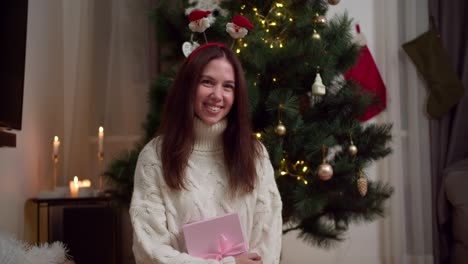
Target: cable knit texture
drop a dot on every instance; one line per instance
(158, 214)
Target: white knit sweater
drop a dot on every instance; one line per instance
(158, 214)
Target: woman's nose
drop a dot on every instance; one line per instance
(216, 93)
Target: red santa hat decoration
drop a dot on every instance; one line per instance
(199, 23)
(198, 20)
(366, 73)
(238, 27)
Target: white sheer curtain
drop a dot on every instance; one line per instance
(407, 235)
(106, 79)
(77, 56)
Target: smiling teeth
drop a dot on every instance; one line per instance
(214, 108)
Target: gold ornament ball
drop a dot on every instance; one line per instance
(352, 149)
(325, 172)
(333, 2)
(320, 20)
(280, 129)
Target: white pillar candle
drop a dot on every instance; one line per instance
(74, 187)
(56, 145)
(100, 139)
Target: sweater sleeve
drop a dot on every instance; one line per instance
(151, 237)
(267, 225)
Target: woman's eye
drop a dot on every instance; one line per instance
(229, 86)
(207, 82)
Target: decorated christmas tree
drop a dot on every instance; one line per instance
(309, 98)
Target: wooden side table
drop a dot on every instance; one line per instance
(87, 221)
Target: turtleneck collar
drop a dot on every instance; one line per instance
(209, 137)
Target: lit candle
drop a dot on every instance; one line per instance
(85, 183)
(56, 145)
(74, 187)
(100, 139)
(85, 188)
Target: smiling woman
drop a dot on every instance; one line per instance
(205, 163)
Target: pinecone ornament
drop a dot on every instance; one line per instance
(362, 185)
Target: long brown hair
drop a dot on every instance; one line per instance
(241, 149)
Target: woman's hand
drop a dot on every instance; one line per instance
(249, 258)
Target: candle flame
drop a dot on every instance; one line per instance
(56, 139)
(75, 179)
(101, 129)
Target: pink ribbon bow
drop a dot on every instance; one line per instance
(225, 249)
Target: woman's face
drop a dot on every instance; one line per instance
(215, 91)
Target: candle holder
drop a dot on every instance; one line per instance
(55, 160)
(100, 166)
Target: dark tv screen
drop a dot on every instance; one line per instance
(13, 26)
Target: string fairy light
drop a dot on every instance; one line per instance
(277, 18)
(298, 170)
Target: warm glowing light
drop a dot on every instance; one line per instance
(56, 145)
(278, 13)
(263, 21)
(258, 135)
(298, 178)
(290, 19)
(306, 182)
(281, 45)
(273, 24)
(279, 5)
(242, 7)
(267, 30)
(100, 139)
(85, 183)
(274, 79)
(304, 169)
(245, 44)
(237, 50)
(255, 9)
(283, 172)
(74, 186)
(271, 46)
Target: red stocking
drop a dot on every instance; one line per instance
(365, 73)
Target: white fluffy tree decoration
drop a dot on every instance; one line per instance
(13, 251)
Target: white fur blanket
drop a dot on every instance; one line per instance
(13, 251)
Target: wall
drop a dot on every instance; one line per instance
(26, 169)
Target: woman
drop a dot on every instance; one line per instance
(205, 163)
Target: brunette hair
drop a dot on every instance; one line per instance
(241, 148)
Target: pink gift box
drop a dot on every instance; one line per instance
(215, 238)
